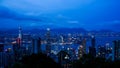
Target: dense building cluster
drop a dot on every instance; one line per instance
(63, 48)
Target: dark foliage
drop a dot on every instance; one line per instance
(36, 61)
(91, 62)
(43, 61)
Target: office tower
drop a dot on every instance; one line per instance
(39, 45)
(84, 45)
(82, 48)
(9, 57)
(16, 52)
(101, 51)
(69, 38)
(93, 41)
(18, 47)
(48, 40)
(92, 49)
(116, 49)
(80, 51)
(27, 44)
(36, 45)
(62, 39)
(20, 33)
(109, 51)
(19, 39)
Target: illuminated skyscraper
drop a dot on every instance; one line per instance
(109, 51)
(48, 40)
(93, 41)
(101, 51)
(20, 33)
(82, 48)
(19, 39)
(62, 39)
(80, 51)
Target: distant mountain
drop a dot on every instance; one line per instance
(42, 29)
(106, 30)
(70, 30)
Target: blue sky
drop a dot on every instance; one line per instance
(88, 14)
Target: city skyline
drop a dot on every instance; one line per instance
(65, 49)
(87, 14)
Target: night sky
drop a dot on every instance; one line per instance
(87, 14)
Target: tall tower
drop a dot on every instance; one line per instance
(19, 39)
(84, 45)
(62, 39)
(92, 49)
(93, 41)
(82, 48)
(39, 45)
(80, 51)
(48, 40)
(20, 33)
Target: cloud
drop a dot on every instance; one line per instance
(116, 24)
(111, 25)
(33, 24)
(45, 5)
(73, 22)
(9, 14)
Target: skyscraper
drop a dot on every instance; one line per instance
(48, 40)
(80, 51)
(116, 49)
(36, 45)
(84, 45)
(93, 41)
(19, 39)
(101, 51)
(39, 45)
(92, 49)
(20, 33)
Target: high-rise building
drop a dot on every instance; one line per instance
(92, 49)
(102, 52)
(80, 51)
(116, 49)
(36, 45)
(62, 39)
(9, 57)
(20, 33)
(48, 40)
(82, 48)
(84, 45)
(39, 45)
(93, 41)
(19, 39)
(109, 51)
